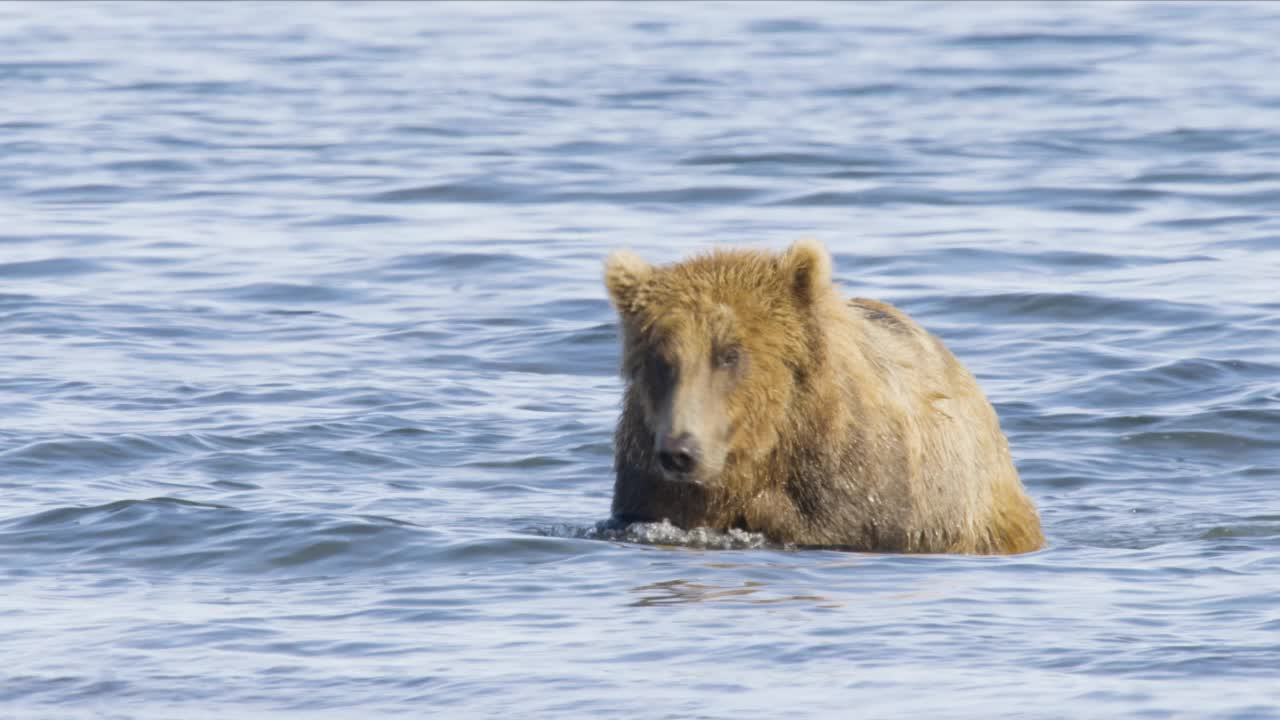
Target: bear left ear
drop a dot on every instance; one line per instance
(624, 274)
(807, 267)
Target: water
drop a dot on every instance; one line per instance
(309, 374)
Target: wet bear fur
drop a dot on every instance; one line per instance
(758, 398)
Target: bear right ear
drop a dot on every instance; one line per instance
(807, 267)
(624, 274)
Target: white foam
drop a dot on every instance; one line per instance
(661, 533)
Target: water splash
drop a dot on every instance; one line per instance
(660, 533)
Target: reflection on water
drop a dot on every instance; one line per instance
(680, 592)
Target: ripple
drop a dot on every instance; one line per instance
(18, 300)
(430, 131)
(280, 292)
(977, 259)
(455, 262)
(45, 69)
(1206, 177)
(516, 550)
(1069, 39)
(1208, 222)
(675, 196)
(803, 159)
(200, 87)
(872, 198)
(540, 100)
(785, 25)
(1072, 307)
(1190, 441)
(876, 89)
(349, 220)
(88, 454)
(640, 97)
(166, 533)
(477, 192)
(1055, 72)
(1261, 526)
(1000, 91)
(85, 193)
(21, 125)
(152, 165)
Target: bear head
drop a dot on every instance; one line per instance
(716, 351)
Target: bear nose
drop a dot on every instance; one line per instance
(678, 455)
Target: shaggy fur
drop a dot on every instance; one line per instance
(820, 421)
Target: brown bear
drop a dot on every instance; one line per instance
(760, 399)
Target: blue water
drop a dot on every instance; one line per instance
(309, 375)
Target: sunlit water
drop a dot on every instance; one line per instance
(309, 376)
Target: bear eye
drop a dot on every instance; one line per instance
(660, 372)
(728, 357)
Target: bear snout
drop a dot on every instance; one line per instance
(679, 456)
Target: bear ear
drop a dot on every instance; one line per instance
(624, 274)
(807, 268)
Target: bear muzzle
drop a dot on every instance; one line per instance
(680, 457)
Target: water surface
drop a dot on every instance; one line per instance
(309, 374)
